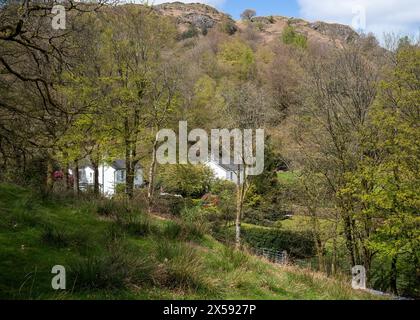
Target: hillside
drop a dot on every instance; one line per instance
(269, 28)
(113, 253)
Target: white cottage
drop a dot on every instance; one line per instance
(227, 172)
(110, 176)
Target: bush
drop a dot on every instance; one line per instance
(291, 37)
(228, 26)
(192, 32)
(169, 205)
(299, 245)
(186, 180)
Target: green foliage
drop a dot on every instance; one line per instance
(291, 37)
(192, 32)
(120, 266)
(135, 224)
(299, 244)
(237, 56)
(112, 270)
(226, 193)
(266, 197)
(228, 26)
(387, 181)
(182, 268)
(186, 180)
(110, 208)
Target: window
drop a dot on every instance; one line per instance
(121, 176)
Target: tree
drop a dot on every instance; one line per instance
(186, 180)
(387, 181)
(290, 36)
(33, 57)
(238, 58)
(141, 81)
(341, 90)
(248, 14)
(249, 109)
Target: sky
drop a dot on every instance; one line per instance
(401, 17)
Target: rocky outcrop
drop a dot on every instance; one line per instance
(335, 31)
(198, 15)
(203, 17)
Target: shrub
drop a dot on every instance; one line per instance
(298, 244)
(186, 180)
(291, 37)
(228, 26)
(192, 32)
(169, 205)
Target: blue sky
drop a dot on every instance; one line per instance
(377, 16)
(288, 8)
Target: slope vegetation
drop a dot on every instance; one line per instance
(112, 251)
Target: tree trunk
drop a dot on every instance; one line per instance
(349, 239)
(334, 253)
(96, 179)
(150, 191)
(317, 240)
(76, 178)
(129, 171)
(238, 219)
(393, 276)
(66, 176)
(49, 178)
(239, 202)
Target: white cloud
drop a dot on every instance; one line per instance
(214, 3)
(382, 16)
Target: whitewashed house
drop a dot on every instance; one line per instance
(109, 176)
(227, 172)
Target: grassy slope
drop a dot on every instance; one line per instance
(143, 259)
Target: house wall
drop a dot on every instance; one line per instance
(107, 178)
(138, 180)
(87, 175)
(218, 171)
(223, 174)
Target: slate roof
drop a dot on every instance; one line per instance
(117, 164)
